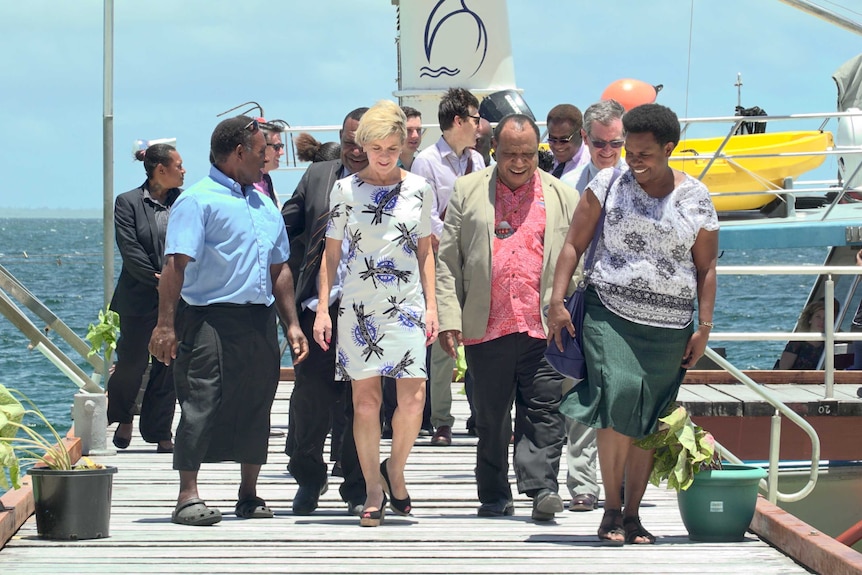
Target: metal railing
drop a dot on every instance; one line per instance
(770, 484)
(39, 339)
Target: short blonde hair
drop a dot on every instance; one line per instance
(382, 120)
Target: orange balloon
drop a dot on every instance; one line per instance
(630, 93)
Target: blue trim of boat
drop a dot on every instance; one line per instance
(802, 234)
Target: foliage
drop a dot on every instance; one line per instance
(33, 447)
(104, 334)
(681, 449)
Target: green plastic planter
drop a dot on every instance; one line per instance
(72, 505)
(720, 503)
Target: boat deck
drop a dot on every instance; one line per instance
(444, 536)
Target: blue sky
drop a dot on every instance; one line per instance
(179, 63)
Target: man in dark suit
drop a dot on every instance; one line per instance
(316, 389)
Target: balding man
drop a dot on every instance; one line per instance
(490, 292)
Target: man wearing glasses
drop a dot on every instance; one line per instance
(564, 139)
(274, 151)
(603, 138)
(451, 157)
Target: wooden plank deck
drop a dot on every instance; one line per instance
(444, 536)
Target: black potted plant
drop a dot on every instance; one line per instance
(72, 501)
(716, 501)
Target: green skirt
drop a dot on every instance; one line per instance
(633, 372)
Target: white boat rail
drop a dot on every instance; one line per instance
(770, 484)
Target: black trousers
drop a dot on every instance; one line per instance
(159, 402)
(314, 394)
(507, 370)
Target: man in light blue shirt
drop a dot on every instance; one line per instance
(602, 135)
(226, 255)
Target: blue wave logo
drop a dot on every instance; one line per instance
(432, 28)
(441, 71)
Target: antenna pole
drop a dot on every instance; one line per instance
(738, 89)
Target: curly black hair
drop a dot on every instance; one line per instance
(658, 120)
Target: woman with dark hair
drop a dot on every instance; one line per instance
(655, 255)
(806, 354)
(140, 222)
(308, 149)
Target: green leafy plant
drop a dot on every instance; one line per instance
(682, 449)
(19, 452)
(103, 335)
(33, 447)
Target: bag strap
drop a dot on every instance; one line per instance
(600, 226)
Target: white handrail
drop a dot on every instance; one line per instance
(771, 484)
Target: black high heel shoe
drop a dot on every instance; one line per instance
(373, 518)
(119, 441)
(399, 506)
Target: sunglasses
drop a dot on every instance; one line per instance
(252, 126)
(278, 147)
(601, 144)
(475, 118)
(561, 140)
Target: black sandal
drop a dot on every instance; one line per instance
(611, 530)
(399, 506)
(373, 518)
(634, 531)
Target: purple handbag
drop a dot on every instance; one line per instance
(570, 362)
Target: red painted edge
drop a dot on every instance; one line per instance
(805, 544)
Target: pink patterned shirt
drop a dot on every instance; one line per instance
(516, 262)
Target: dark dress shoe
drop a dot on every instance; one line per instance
(306, 498)
(167, 447)
(496, 508)
(442, 437)
(546, 504)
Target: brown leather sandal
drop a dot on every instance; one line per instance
(611, 530)
(635, 532)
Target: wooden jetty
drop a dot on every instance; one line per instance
(443, 536)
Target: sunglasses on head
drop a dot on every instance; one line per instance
(561, 140)
(252, 126)
(601, 144)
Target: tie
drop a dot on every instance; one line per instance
(558, 171)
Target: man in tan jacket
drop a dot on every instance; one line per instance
(503, 231)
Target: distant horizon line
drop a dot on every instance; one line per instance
(50, 213)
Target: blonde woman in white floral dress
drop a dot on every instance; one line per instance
(388, 311)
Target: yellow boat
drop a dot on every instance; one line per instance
(727, 178)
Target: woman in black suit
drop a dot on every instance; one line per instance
(140, 222)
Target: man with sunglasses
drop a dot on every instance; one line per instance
(564, 139)
(225, 342)
(274, 151)
(451, 157)
(603, 135)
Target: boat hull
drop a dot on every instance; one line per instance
(742, 183)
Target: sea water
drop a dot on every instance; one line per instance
(60, 262)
